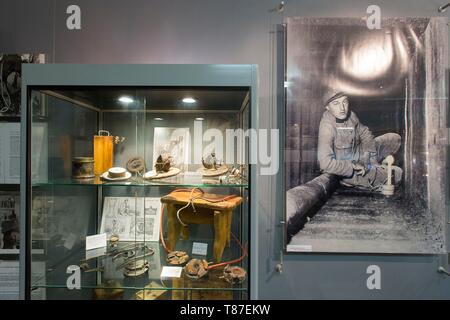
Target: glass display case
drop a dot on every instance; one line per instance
(136, 183)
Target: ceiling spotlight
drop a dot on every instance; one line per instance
(159, 119)
(125, 99)
(199, 119)
(189, 100)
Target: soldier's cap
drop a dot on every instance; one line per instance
(331, 95)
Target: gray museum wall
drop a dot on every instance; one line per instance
(231, 31)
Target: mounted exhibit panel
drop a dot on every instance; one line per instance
(366, 136)
(126, 159)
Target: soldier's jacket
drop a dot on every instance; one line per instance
(341, 142)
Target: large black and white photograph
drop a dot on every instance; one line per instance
(366, 137)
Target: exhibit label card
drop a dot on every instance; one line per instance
(96, 241)
(95, 253)
(171, 272)
(299, 248)
(199, 248)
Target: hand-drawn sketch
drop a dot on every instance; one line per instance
(142, 227)
(111, 207)
(116, 226)
(132, 219)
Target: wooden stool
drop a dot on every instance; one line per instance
(218, 214)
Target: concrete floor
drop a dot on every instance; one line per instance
(356, 221)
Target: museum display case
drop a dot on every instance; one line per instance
(136, 183)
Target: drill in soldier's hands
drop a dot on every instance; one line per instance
(359, 169)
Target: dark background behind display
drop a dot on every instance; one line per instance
(232, 31)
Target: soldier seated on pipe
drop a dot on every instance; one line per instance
(348, 149)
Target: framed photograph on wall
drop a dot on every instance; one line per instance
(365, 130)
(9, 221)
(11, 80)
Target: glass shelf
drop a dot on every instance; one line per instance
(111, 279)
(178, 181)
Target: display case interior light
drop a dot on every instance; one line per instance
(199, 119)
(189, 100)
(126, 99)
(158, 119)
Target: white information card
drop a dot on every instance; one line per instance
(171, 272)
(199, 248)
(96, 241)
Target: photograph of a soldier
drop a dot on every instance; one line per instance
(348, 149)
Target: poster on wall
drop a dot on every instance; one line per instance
(365, 133)
(11, 81)
(10, 153)
(9, 221)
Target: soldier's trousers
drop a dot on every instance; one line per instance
(376, 177)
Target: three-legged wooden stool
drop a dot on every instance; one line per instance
(219, 214)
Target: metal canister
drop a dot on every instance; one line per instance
(103, 152)
(83, 168)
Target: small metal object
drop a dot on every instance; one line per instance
(129, 260)
(99, 269)
(136, 268)
(86, 268)
(279, 266)
(388, 188)
(131, 246)
(135, 273)
(126, 254)
(236, 174)
(118, 139)
(443, 7)
(443, 271)
(137, 264)
(147, 254)
(83, 168)
(113, 240)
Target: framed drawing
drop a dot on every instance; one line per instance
(132, 219)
